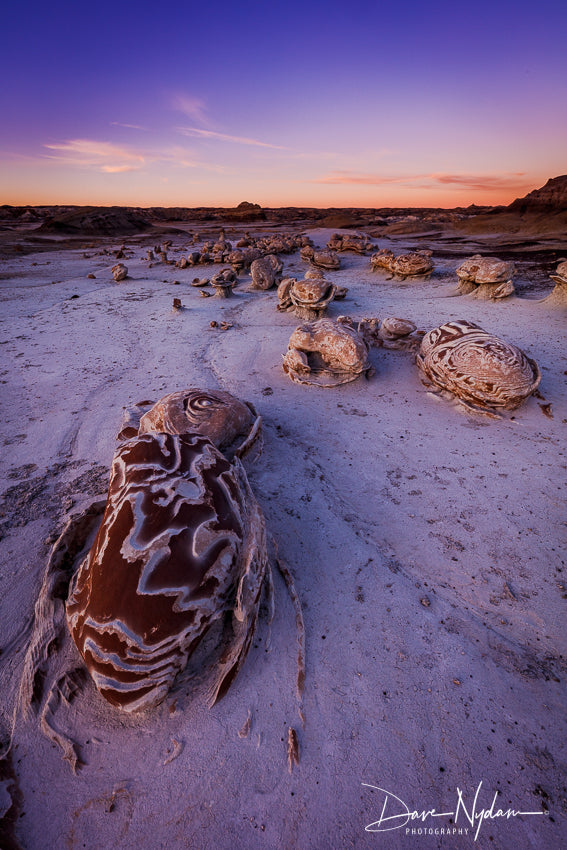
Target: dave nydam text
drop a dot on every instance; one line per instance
(395, 814)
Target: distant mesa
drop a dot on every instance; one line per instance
(96, 221)
(21, 215)
(245, 211)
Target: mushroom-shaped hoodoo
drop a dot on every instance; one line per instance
(223, 281)
(486, 277)
(307, 298)
(559, 295)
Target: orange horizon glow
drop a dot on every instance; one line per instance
(404, 197)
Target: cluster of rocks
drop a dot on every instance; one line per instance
(243, 253)
(404, 265)
(390, 332)
(478, 276)
(329, 352)
(320, 259)
(481, 371)
(357, 243)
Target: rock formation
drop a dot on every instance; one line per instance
(308, 298)
(486, 277)
(182, 544)
(404, 265)
(478, 368)
(327, 353)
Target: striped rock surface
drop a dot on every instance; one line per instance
(476, 366)
(182, 544)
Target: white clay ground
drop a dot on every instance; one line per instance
(427, 545)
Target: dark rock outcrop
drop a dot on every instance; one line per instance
(96, 221)
(549, 198)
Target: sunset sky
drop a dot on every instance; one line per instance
(353, 103)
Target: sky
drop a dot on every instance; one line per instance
(324, 104)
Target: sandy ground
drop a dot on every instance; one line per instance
(427, 545)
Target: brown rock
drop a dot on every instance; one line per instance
(326, 353)
(265, 271)
(162, 570)
(119, 272)
(481, 370)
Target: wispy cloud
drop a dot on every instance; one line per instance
(485, 182)
(196, 109)
(110, 158)
(105, 156)
(225, 137)
(193, 107)
(352, 177)
(117, 169)
(128, 126)
(482, 181)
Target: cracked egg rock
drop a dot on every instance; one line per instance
(476, 366)
(327, 353)
(182, 544)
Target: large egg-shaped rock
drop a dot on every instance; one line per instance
(476, 366)
(182, 543)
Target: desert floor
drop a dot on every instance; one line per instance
(427, 545)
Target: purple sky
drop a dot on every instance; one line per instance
(323, 104)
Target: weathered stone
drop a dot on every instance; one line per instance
(327, 353)
(481, 370)
(119, 272)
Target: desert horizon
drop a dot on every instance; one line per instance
(487, 193)
(546, 196)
